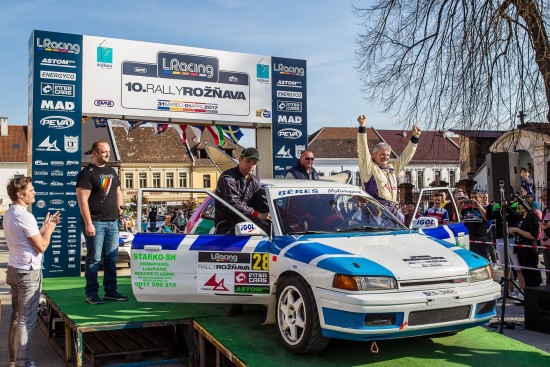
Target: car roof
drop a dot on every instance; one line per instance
(276, 183)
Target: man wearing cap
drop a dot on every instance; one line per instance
(303, 170)
(378, 174)
(241, 189)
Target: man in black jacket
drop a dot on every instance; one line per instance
(303, 170)
(241, 189)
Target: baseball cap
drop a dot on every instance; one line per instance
(251, 153)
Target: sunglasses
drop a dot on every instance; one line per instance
(309, 158)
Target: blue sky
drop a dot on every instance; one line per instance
(322, 32)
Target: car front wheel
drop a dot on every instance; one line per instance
(297, 317)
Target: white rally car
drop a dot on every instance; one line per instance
(323, 274)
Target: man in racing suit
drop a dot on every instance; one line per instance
(379, 176)
(241, 189)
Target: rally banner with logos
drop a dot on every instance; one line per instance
(149, 80)
(55, 111)
(289, 127)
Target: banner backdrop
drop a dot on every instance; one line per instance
(289, 129)
(149, 80)
(74, 75)
(55, 65)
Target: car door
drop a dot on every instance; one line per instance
(202, 268)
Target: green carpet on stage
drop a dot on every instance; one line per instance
(259, 345)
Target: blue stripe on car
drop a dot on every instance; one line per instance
(472, 259)
(438, 232)
(219, 243)
(305, 252)
(353, 266)
(166, 241)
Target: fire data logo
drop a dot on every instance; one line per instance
(104, 56)
(53, 46)
(187, 67)
(47, 146)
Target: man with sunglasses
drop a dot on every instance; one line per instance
(303, 170)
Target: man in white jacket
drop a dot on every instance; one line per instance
(379, 176)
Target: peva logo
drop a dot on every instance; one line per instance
(57, 122)
(64, 47)
(187, 67)
(289, 133)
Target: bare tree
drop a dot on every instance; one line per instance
(457, 64)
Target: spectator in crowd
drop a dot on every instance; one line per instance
(240, 188)
(26, 245)
(474, 217)
(437, 211)
(526, 233)
(379, 177)
(100, 200)
(303, 170)
(545, 234)
(344, 212)
(152, 216)
(526, 181)
(490, 230)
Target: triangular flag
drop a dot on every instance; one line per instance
(135, 124)
(234, 133)
(99, 122)
(160, 128)
(217, 133)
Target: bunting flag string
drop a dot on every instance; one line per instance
(99, 122)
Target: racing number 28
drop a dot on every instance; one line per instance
(260, 261)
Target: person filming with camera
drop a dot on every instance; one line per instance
(526, 234)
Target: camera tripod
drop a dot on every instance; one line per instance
(506, 279)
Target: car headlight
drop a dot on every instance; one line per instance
(363, 283)
(480, 274)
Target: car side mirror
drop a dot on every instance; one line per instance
(424, 222)
(248, 229)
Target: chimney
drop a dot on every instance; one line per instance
(4, 126)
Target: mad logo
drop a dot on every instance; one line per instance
(71, 144)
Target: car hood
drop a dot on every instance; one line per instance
(406, 256)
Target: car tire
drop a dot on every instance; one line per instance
(297, 317)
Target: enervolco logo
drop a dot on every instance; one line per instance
(104, 54)
(289, 133)
(187, 67)
(262, 71)
(288, 70)
(57, 122)
(53, 46)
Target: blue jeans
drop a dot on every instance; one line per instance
(25, 296)
(105, 242)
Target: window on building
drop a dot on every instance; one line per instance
(143, 180)
(452, 178)
(156, 179)
(420, 179)
(206, 181)
(169, 179)
(408, 176)
(437, 175)
(128, 180)
(183, 179)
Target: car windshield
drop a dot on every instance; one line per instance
(329, 213)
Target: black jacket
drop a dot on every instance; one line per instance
(244, 195)
(299, 172)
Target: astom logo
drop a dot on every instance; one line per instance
(187, 67)
(289, 133)
(57, 122)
